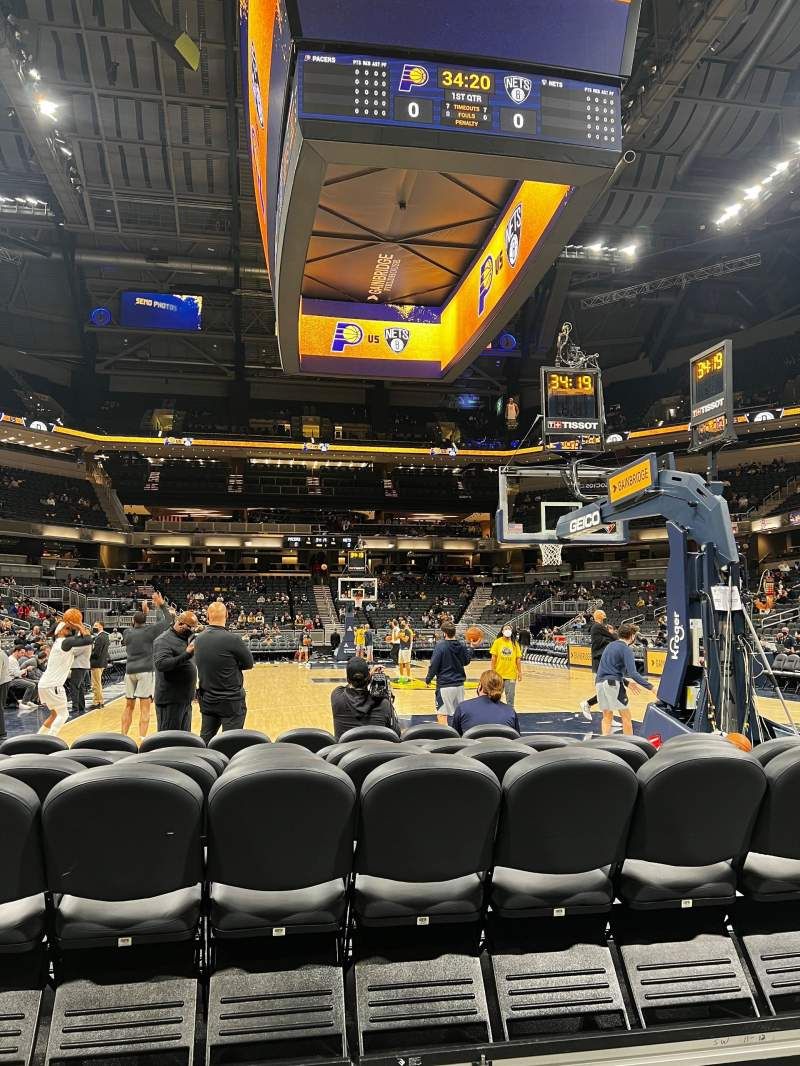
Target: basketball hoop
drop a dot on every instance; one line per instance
(551, 552)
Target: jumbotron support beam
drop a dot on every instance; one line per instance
(716, 270)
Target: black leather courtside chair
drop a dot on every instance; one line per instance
(305, 737)
(106, 742)
(234, 740)
(32, 744)
(40, 772)
(171, 738)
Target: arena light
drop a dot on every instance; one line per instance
(47, 108)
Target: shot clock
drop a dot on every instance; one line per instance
(572, 409)
(711, 396)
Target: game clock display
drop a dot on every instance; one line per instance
(572, 408)
(426, 95)
(711, 396)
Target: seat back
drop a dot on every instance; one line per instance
(106, 742)
(428, 731)
(770, 748)
(478, 732)
(449, 746)
(200, 771)
(779, 662)
(171, 738)
(399, 838)
(362, 760)
(21, 868)
(39, 772)
(566, 810)
(498, 753)
(792, 664)
(234, 740)
(87, 757)
(303, 834)
(546, 741)
(312, 739)
(32, 744)
(369, 732)
(270, 753)
(110, 834)
(338, 751)
(696, 806)
(633, 755)
(775, 831)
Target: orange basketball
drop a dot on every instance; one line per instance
(474, 634)
(73, 617)
(740, 741)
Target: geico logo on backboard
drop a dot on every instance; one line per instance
(584, 522)
(345, 335)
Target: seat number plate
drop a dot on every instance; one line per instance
(423, 919)
(279, 930)
(687, 903)
(125, 942)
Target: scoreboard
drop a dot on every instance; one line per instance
(572, 409)
(319, 540)
(447, 96)
(711, 396)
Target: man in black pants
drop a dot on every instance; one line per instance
(176, 676)
(601, 636)
(220, 658)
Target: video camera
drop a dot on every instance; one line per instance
(379, 686)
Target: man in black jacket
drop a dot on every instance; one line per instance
(353, 704)
(176, 676)
(220, 658)
(448, 662)
(98, 661)
(601, 635)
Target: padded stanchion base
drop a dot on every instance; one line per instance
(775, 958)
(295, 1015)
(691, 979)
(19, 1017)
(569, 990)
(153, 1021)
(406, 1005)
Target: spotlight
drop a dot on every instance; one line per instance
(630, 249)
(47, 108)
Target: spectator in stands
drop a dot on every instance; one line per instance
(448, 662)
(601, 636)
(617, 665)
(506, 656)
(486, 708)
(176, 675)
(5, 681)
(139, 670)
(353, 704)
(98, 663)
(220, 658)
(22, 664)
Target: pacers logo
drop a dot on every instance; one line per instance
(346, 335)
(413, 77)
(485, 282)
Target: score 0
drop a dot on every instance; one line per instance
(413, 109)
(519, 122)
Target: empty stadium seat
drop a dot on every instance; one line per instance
(181, 759)
(448, 746)
(234, 740)
(478, 732)
(39, 772)
(87, 757)
(363, 759)
(633, 755)
(546, 741)
(369, 732)
(171, 738)
(106, 742)
(771, 871)
(498, 753)
(337, 751)
(403, 873)
(671, 857)
(647, 746)
(312, 739)
(428, 731)
(770, 748)
(32, 744)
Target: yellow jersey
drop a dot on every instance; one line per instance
(508, 655)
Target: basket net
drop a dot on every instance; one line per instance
(551, 553)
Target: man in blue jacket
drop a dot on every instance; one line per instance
(616, 665)
(448, 662)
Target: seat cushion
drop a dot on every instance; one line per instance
(521, 894)
(380, 901)
(85, 923)
(770, 877)
(652, 884)
(21, 924)
(239, 912)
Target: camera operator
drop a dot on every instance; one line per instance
(365, 699)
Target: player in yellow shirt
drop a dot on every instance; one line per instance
(360, 642)
(507, 661)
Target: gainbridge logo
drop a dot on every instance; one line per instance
(413, 77)
(346, 335)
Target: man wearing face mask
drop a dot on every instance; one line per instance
(176, 675)
(507, 662)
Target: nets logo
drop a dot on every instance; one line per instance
(485, 282)
(346, 335)
(256, 86)
(513, 232)
(518, 88)
(413, 77)
(397, 338)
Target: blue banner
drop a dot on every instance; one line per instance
(160, 310)
(670, 690)
(347, 648)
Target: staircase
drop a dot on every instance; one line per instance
(474, 609)
(110, 502)
(775, 498)
(325, 607)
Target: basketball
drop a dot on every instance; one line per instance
(73, 617)
(740, 741)
(474, 634)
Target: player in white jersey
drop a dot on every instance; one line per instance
(59, 664)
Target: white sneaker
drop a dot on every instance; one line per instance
(27, 708)
(587, 714)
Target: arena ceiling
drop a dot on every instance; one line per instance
(162, 198)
